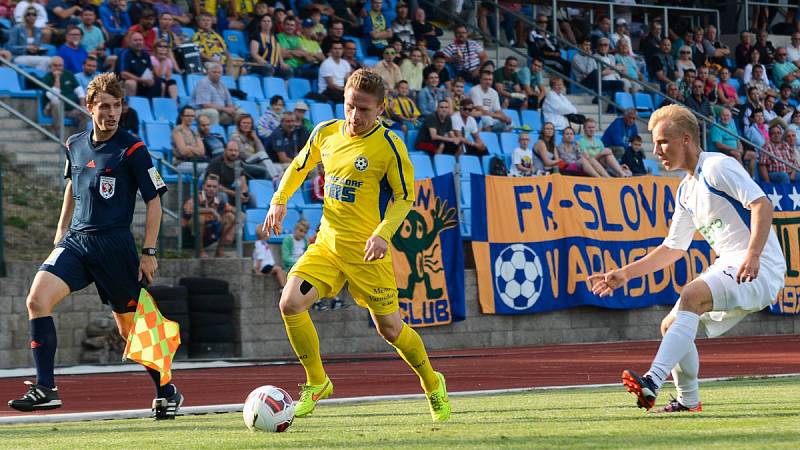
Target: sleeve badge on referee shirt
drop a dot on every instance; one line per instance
(361, 163)
(107, 185)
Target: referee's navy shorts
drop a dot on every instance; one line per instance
(107, 258)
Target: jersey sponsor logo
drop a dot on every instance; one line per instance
(341, 189)
(155, 177)
(361, 163)
(91, 164)
(708, 231)
(107, 187)
(53, 257)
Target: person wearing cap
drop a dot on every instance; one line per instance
(622, 33)
(603, 30)
(388, 70)
(377, 28)
(332, 74)
(301, 53)
(300, 109)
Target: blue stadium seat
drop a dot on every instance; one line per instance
(624, 100)
(371, 61)
(313, 216)
(237, 42)
(253, 218)
(470, 164)
(411, 138)
(485, 163)
(359, 51)
(644, 104)
(275, 86)
(228, 81)
(532, 118)
(142, 107)
(251, 85)
(9, 82)
(338, 111)
(490, 139)
(191, 81)
(422, 166)
(320, 112)
(188, 33)
(158, 136)
(508, 142)
(250, 108)
(514, 114)
(220, 130)
(652, 166)
(296, 201)
(180, 84)
(444, 164)
(262, 191)
(165, 110)
(657, 99)
(298, 88)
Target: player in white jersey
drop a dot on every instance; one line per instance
(719, 199)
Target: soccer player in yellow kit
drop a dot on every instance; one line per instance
(365, 165)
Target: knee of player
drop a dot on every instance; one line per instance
(291, 303)
(388, 332)
(38, 304)
(696, 297)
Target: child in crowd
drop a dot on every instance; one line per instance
(522, 158)
(634, 157)
(263, 261)
(294, 245)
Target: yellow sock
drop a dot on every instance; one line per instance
(305, 342)
(411, 348)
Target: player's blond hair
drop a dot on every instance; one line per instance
(680, 120)
(105, 82)
(366, 80)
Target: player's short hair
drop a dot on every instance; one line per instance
(365, 80)
(105, 82)
(680, 119)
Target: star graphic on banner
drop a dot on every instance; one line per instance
(795, 198)
(775, 198)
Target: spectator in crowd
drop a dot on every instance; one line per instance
(650, 45)
(684, 61)
(63, 13)
(532, 81)
(212, 97)
(542, 45)
(224, 167)
(313, 52)
(685, 83)
(791, 137)
(93, 39)
(507, 85)
(335, 34)
(618, 134)
(627, 64)
(377, 28)
(436, 135)
(464, 126)
(332, 74)
(402, 28)
(270, 119)
(699, 51)
(163, 68)
(726, 92)
(603, 30)
(136, 69)
(793, 49)
(215, 214)
(300, 110)
(187, 145)
(146, 26)
(634, 157)
(545, 149)
(557, 108)
(426, 30)
(299, 52)
(71, 51)
(749, 69)
(285, 142)
(438, 66)
(265, 51)
(115, 20)
(765, 48)
(661, 66)
(487, 105)
(430, 95)
(770, 115)
(716, 50)
(388, 70)
(612, 82)
(251, 149)
(522, 158)
(295, 244)
(752, 103)
(168, 28)
(679, 40)
(594, 148)
(411, 70)
(24, 43)
(757, 132)
(129, 120)
(769, 167)
(575, 162)
(784, 71)
(264, 261)
(465, 55)
(456, 94)
(785, 105)
(213, 143)
(402, 109)
(742, 52)
(349, 55)
(584, 68)
(21, 9)
(62, 81)
(672, 92)
(212, 45)
(622, 34)
(87, 74)
(729, 143)
(698, 100)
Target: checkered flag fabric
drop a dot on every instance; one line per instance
(153, 340)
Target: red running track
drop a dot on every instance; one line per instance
(466, 370)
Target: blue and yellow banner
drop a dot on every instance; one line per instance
(536, 240)
(786, 221)
(428, 256)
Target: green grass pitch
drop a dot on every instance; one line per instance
(738, 414)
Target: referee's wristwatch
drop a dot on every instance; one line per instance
(149, 251)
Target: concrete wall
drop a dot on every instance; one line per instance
(261, 332)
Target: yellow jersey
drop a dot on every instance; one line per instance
(362, 174)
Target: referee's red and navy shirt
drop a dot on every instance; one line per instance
(105, 177)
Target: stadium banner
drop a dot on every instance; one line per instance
(536, 240)
(428, 256)
(786, 222)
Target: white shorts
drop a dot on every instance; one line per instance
(734, 301)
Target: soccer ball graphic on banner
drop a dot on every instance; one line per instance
(518, 276)
(268, 408)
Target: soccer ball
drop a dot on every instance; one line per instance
(518, 276)
(268, 408)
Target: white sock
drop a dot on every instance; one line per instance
(685, 376)
(676, 343)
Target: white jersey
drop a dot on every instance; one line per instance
(715, 201)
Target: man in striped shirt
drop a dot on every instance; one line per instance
(467, 55)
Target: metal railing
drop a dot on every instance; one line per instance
(747, 4)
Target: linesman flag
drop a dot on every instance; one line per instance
(153, 340)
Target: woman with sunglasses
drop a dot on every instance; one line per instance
(684, 60)
(163, 66)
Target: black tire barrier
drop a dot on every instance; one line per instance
(212, 303)
(168, 293)
(202, 319)
(197, 285)
(214, 333)
(182, 353)
(170, 308)
(208, 350)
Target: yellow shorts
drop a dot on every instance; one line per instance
(373, 286)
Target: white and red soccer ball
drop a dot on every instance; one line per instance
(268, 408)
